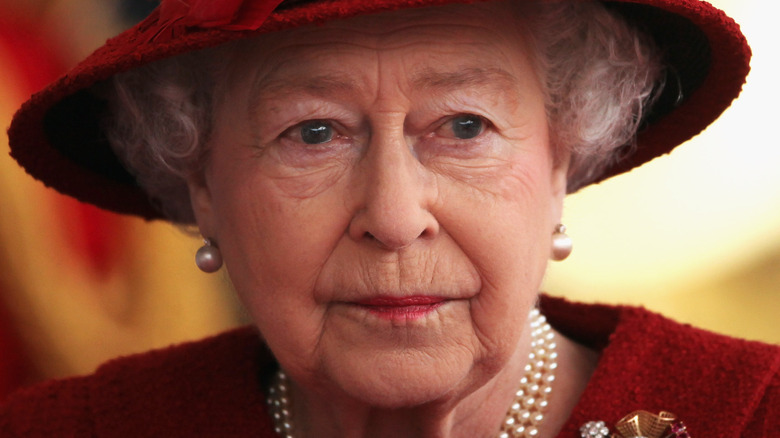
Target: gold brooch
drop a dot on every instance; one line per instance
(638, 424)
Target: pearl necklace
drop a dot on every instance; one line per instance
(523, 416)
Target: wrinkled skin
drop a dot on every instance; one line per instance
(435, 177)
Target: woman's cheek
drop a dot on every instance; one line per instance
(302, 173)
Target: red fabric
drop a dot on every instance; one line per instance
(720, 387)
(176, 15)
(204, 13)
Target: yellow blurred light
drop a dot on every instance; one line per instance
(672, 234)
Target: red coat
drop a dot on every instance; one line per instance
(719, 386)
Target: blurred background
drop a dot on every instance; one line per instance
(695, 236)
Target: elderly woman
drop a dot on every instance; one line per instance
(384, 183)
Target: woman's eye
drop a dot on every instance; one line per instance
(316, 132)
(467, 126)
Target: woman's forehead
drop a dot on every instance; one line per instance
(490, 81)
(433, 48)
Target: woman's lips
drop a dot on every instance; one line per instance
(401, 308)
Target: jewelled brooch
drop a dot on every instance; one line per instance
(638, 424)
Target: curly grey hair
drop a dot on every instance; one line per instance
(599, 74)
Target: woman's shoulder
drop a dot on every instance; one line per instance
(765, 421)
(48, 409)
(719, 385)
(181, 390)
(599, 326)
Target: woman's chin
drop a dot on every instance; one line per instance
(397, 360)
(405, 391)
(400, 380)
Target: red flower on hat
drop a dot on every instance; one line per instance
(175, 15)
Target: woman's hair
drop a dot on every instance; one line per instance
(598, 74)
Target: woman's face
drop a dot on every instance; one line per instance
(383, 191)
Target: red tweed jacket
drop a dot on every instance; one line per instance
(719, 386)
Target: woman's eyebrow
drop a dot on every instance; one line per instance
(319, 85)
(326, 85)
(271, 87)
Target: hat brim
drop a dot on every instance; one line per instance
(56, 135)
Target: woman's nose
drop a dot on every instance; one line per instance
(396, 193)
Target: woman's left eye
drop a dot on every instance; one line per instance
(465, 127)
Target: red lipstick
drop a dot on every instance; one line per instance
(405, 308)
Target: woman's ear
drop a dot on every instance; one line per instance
(202, 207)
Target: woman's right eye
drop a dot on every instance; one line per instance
(313, 132)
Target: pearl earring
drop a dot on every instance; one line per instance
(561, 244)
(208, 258)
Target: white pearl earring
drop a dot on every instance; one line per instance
(561, 244)
(208, 258)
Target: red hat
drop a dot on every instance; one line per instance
(56, 135)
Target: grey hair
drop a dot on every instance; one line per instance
(159, 123)
(599, 76)
(598, 73)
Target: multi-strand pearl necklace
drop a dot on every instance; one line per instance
(523, 416)
(527, 409)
